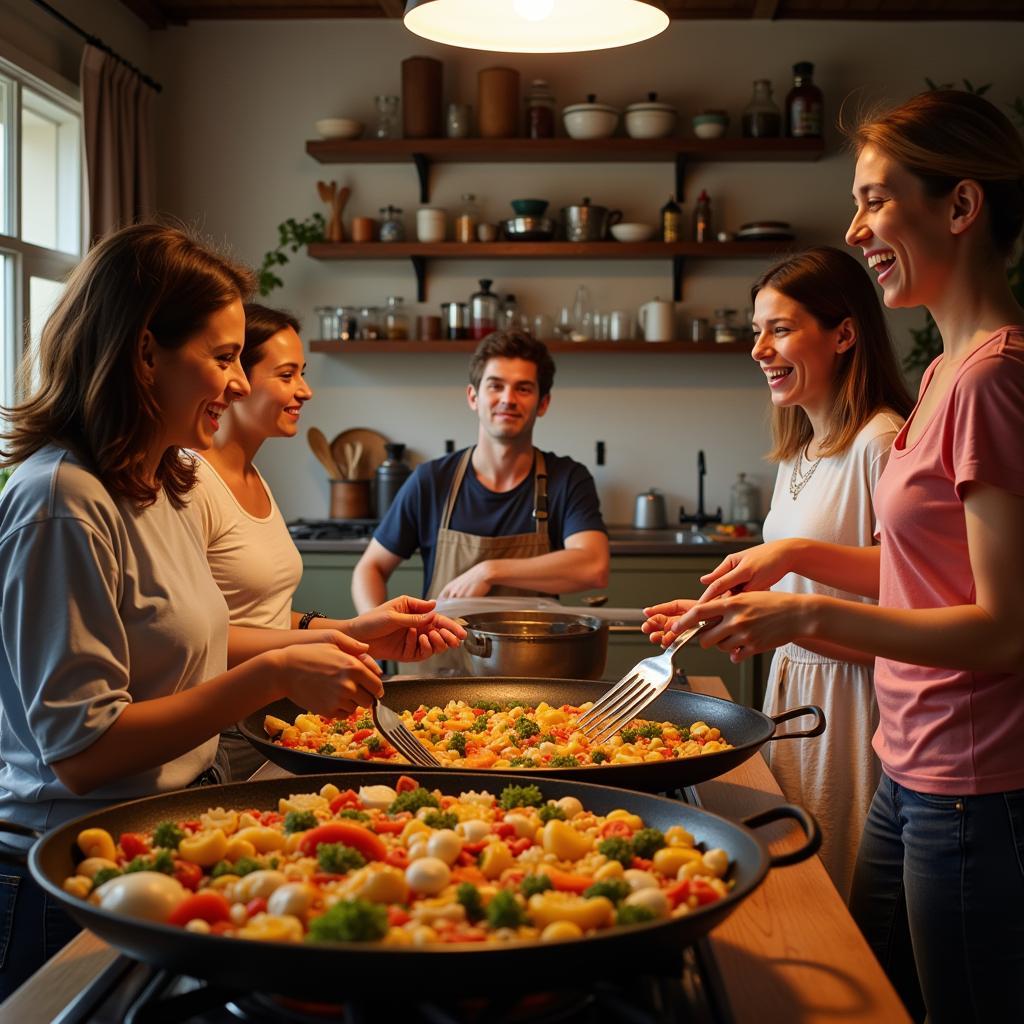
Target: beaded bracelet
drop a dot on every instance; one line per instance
(308, 617)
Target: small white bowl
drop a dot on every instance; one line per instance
(339, 128)
(651, 119)
(632, 232)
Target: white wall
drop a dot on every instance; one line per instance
(240, 102)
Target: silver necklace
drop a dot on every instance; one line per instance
(798, 479)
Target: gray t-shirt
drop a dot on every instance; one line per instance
(100, 605)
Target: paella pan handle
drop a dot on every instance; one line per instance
(479, 646)
(807, 709)
(805, 819)
(8, 856)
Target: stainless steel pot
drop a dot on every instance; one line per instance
(547, 645)
(586, 223)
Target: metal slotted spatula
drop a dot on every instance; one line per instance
(633, 692)
(393, 729)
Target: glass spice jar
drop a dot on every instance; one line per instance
(396, 319)
(725, 330)
(387, 117)
(762, 119)
(540, 110)
(391, 227)
(467, 219)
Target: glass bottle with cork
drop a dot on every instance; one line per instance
(671, 221)
(540, 110)
(805, 105)
(762, 119)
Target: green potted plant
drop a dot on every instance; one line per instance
(292, 235)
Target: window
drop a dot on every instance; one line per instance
(41, 229)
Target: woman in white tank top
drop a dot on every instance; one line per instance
(838, 402)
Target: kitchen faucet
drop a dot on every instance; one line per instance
(701, 518)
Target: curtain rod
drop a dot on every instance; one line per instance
(99, 44)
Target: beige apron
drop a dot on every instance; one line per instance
(456, 552)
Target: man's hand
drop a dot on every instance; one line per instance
(406, 629)
(473, 582)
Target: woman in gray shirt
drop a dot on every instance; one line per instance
(110, 618)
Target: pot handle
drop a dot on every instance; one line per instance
(479, 646)
(8, 856)
(807, 709)
(804, 818)
(614, 216)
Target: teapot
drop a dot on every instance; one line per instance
(657, 320)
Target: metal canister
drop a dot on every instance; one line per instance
(698, 329)
(455, 319)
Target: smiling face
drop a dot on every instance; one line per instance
(195, 383)
(797, 354)
(508, 402)
(904, 233)
(279, 389)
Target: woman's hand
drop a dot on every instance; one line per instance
(331, 677)
(757, 568)
(748, 623)
(406, 629)
(658, 617)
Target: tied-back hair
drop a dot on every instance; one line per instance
(93, 397)
(513, 345)
(261, 324)
(945, 136)
(832, 286)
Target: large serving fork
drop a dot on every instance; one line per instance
(393, 729)
(633, 692)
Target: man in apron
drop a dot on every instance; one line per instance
(500, 517)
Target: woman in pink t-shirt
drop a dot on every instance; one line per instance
(939, 884)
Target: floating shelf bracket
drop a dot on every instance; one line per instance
(422, 162)
(419, 265)
(680, 177)
(677, 278)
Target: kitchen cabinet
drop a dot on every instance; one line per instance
(424, 153)
(634, 581)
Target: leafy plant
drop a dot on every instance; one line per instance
(4, 476)
(292, 235)
(927, 340)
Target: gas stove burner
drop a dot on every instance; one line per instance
(332, 529)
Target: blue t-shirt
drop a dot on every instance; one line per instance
(412, 521)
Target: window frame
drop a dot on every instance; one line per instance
(26, 260)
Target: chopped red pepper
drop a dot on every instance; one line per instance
(504, 830)
(358, 737)
(405, 783)
(188, 874)
(616, 828)
(398, 857)
(208, 906)
(521, 845)
(641, 863)
(397, 916)
(385, 825)
(133, 845)
(348, 799)
(370, 845)
(255, 906)
(419, 714)
(566, 882)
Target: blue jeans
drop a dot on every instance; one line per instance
(32, 927)
(938, 892)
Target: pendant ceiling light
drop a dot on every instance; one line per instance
(535, 26)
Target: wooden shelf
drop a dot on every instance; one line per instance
(543, 250)
(357, 348)
(420, 252)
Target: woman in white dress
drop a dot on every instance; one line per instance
(838, 402)
(252, 557)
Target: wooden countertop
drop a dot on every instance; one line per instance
(790, 952)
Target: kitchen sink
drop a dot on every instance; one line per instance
(629, 535)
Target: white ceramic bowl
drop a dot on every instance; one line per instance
(632, 232)
(339, 128)
(650, 120)
(708, 129)
(590, 121)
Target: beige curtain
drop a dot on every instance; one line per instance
(118, 123)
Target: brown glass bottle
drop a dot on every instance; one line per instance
(671, 221)
(805, 104)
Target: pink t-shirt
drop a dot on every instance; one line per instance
(941, 730)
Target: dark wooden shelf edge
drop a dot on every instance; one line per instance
(545, 250)
(518, 150)
(351, 348)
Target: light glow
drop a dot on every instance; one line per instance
(534, 10)
(535, 26)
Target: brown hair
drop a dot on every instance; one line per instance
(261, 324)
(93, 397)
(945, 136)
(832, 286)
(513, 345)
